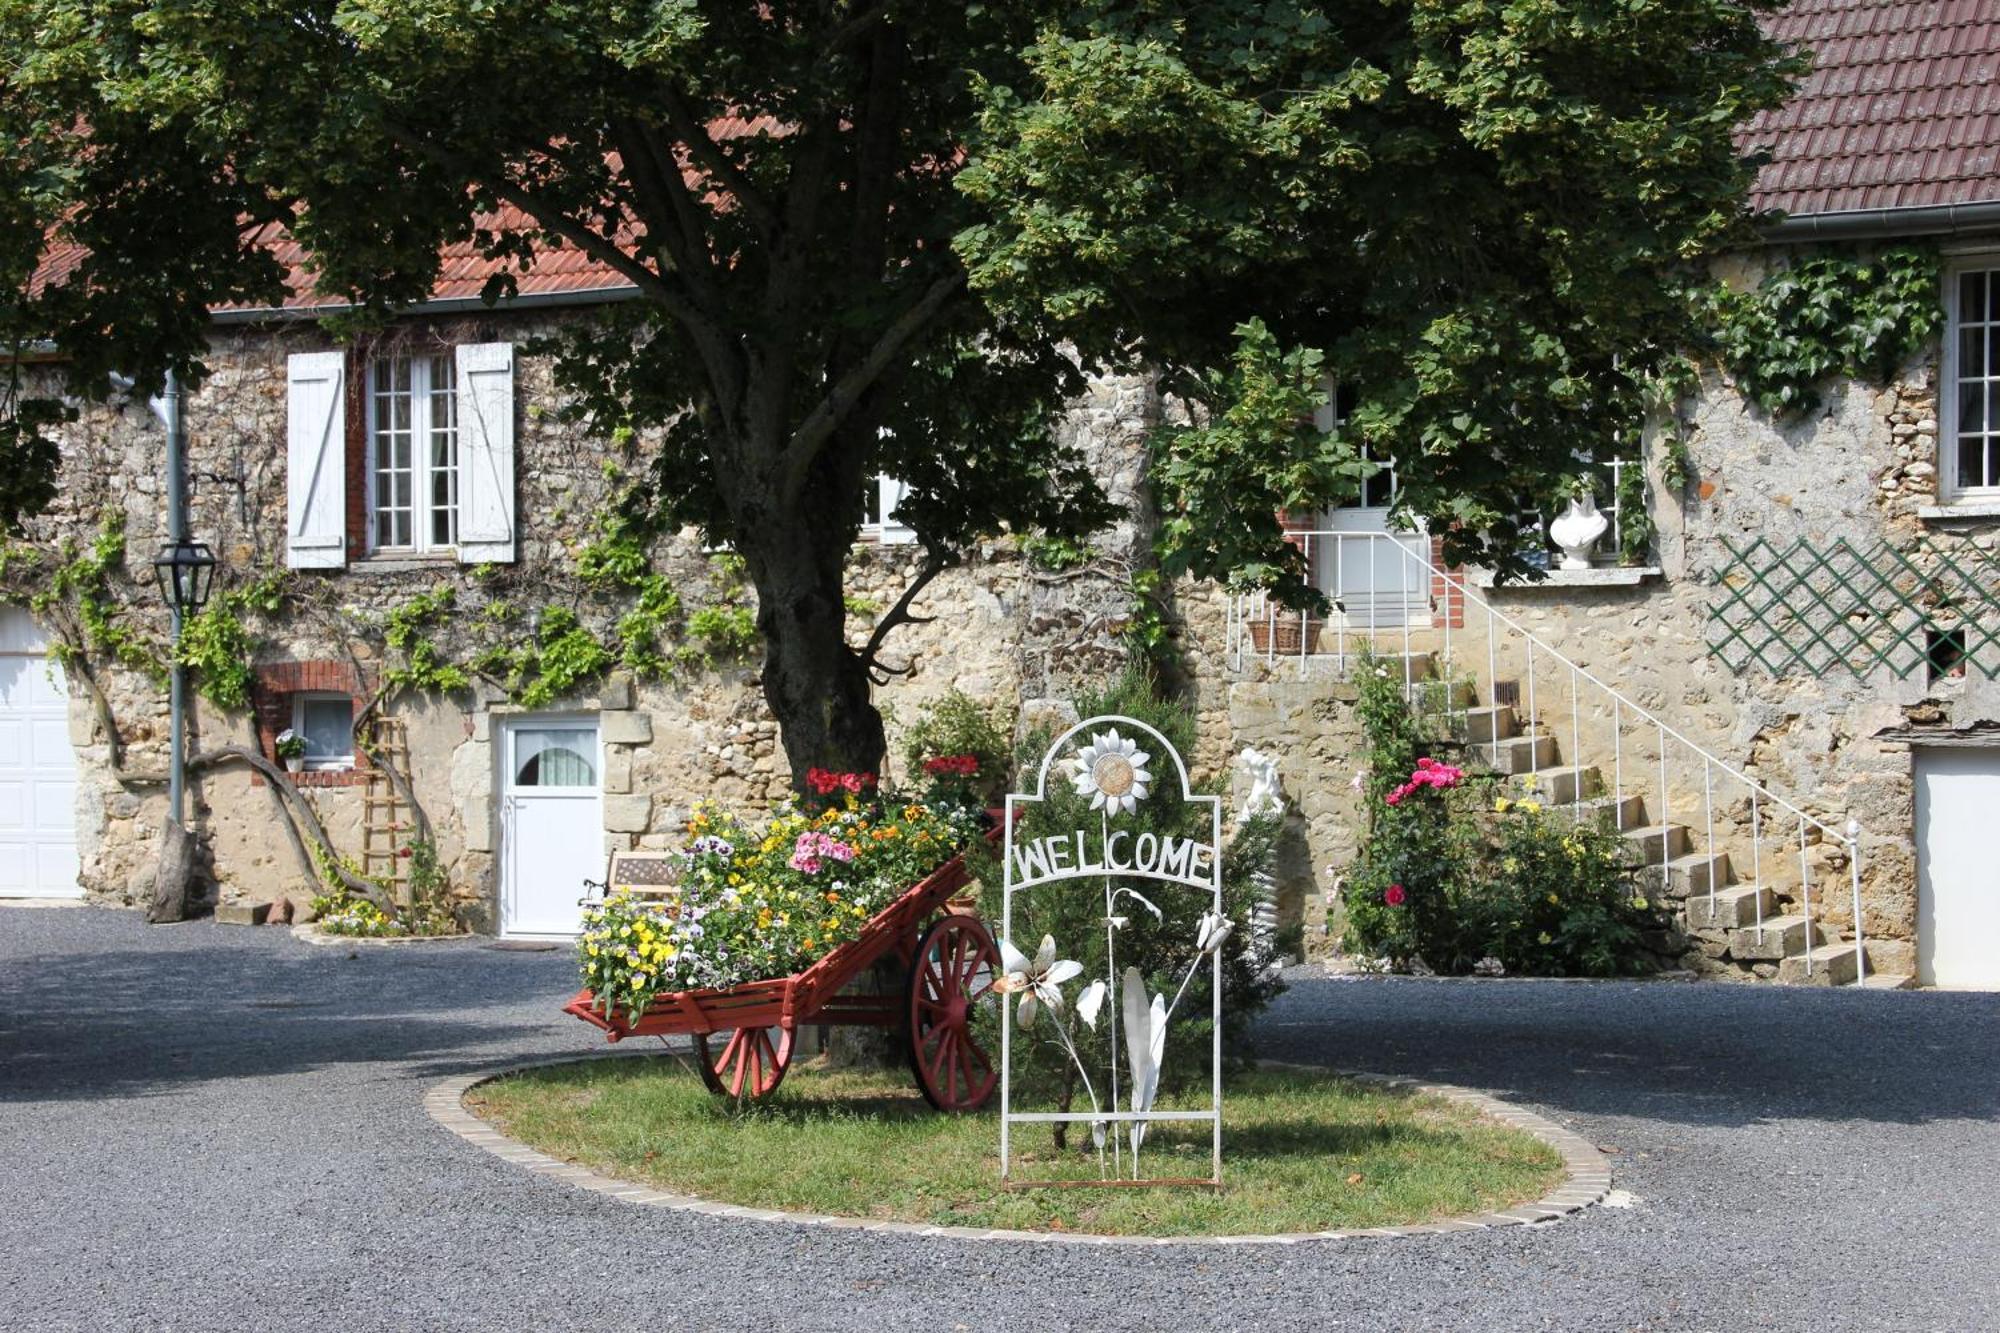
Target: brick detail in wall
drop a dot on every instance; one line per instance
(356, 444)
(271, 700)
(1447, 598)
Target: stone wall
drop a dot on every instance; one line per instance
(997, 628)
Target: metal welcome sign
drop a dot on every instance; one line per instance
(1116, 763)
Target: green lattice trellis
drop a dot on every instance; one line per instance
(1835, 607)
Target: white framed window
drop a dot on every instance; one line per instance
(413, 454)
(326, 723)
(878, 512)
(1969, 438)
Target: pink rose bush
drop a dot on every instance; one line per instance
(1429, 773)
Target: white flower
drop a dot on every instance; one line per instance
(1089, 1001)
(1111, 770)
(1038, 979)
(1212, 932)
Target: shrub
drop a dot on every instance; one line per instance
(950, 731)
(1452, 872)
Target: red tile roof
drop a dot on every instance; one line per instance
(1901, 109)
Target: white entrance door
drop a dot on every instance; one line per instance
(551, 824)
(1375, 574)
(37, 768)
(1958, 876)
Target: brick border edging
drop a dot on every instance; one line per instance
(1586, 1171)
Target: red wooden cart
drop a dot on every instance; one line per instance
(951, 961)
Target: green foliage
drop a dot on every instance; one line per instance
(79, 581)
(1635, 519)
(217, 646)
(423, 665)
(1056, 554)
(639, 631)
(430, 891)
(724, 633)
(949, 727)
(1115, 185)
(1826, 315)
(560, 659)
(1458, 874)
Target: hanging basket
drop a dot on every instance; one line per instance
(1283, 635)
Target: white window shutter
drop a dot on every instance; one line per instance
(891, 494)
(316, 460)
(486, 453)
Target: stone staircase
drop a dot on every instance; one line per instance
(1751, 929)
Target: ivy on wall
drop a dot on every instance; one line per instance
(1824, 316)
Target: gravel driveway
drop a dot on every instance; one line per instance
(215, 1128)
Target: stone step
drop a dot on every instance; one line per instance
(1491, 724)
(1646, 841)
(1888, 981)
(1780, 937)
(1521, 754)
(1561, 784)
(1731, 908)
(1615, 812)
(1696, 872)
(1832, 965)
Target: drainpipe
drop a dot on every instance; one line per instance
(169, 408)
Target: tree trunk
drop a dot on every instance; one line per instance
(818, 688)
(174, 877)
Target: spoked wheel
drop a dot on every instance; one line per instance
(749, 1066)
(955, 968)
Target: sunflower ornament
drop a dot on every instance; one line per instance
(1111, 771)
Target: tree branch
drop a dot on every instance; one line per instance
(301, 815)
(711, 155)
(826, 416)
(935, 563)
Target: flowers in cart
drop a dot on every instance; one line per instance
(762, 900)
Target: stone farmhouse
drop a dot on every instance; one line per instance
(1777, 667)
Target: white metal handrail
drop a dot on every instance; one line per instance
(1251, 609)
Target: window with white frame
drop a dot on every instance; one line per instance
(878, 512)
(326, 723)
(413, 456)
(1969, 445)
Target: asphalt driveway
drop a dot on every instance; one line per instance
(214, 1128)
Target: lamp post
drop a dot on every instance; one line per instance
(185, 571)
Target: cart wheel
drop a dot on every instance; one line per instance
(954, 969)
(750, 1066)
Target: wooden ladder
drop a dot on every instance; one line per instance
(384, 818)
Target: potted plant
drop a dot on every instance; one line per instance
(291, 748)
(1283, 633)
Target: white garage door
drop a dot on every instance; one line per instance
(37, 768)
(1958, 876)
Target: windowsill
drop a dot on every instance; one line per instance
(402, 562)
(1961, 509)
(321, 777)
(1601, 576)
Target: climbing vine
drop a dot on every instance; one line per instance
(1827, 315)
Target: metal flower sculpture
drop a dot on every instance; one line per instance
(1111, 771)
(1037, 980)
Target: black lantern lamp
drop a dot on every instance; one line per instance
(185, 571)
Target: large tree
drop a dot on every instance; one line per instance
(889, 236)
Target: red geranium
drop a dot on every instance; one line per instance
(957, 765)
(1394, 896)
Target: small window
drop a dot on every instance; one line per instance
(413, 453)
(554, 757)
(878, 511)
(326, 722)
(1969, 447)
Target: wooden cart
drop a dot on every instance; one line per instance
(951, 963)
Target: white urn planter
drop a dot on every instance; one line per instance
(295, 764)
(1576, 531)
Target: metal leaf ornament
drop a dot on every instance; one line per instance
(1111, 771)
(1145, 1045)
